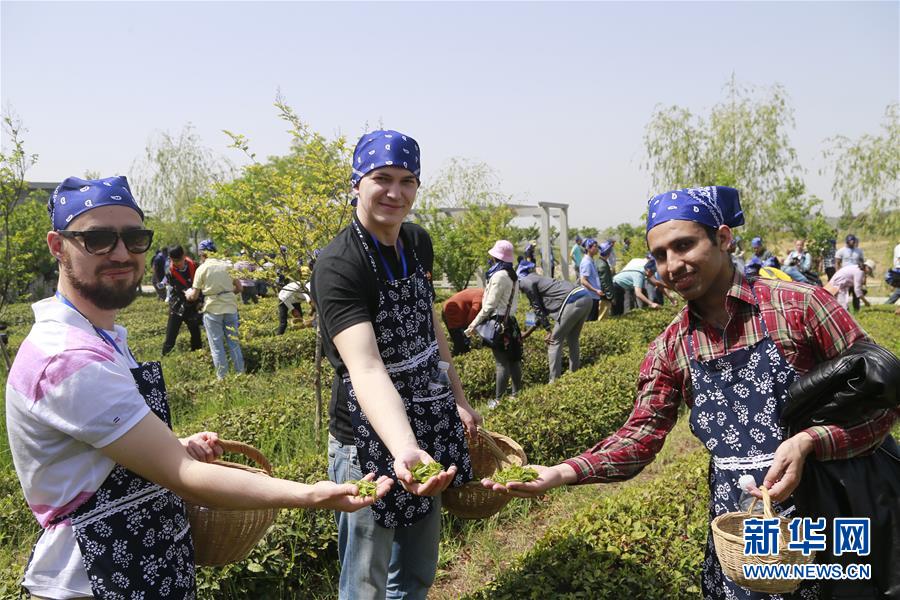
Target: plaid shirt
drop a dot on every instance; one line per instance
(806, 324)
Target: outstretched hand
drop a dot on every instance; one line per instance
(407, 460)
(345, 496)
(548, 478)
(203, 446)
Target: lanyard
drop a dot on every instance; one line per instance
(103, 335)
(390, 273)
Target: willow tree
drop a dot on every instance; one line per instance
(174, 172)
(867, 174)
(742, 142)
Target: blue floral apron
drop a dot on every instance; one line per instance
(404, 330)
(737, 405)
(134, 535)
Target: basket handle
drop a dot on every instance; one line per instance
(248, 451)
(767, 503)
(485, 436)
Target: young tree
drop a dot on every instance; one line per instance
(462, 238)
(742, 143)
(867, 173)
(287, 206)
(15, 268)
(175, 171)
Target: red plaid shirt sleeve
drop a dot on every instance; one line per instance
(634, 446)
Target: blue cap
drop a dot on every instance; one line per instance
(756, 242)
(588, 242)
(525, 267)
(75, 196)
(207, 246)
(712, 206)
(606, 247)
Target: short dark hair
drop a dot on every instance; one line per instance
(711, 233)
(176, 252)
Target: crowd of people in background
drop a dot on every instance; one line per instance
(559, 307)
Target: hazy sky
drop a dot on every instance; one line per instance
(555, 96)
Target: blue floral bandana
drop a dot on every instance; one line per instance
(75, 196)
(384, 148)
(712, 206)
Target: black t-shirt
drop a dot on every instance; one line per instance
(345, 291)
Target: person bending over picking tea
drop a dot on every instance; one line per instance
(89, 426)
(730, 355)
(389, 410)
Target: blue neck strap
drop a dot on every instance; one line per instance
(384, 262)
(103, 335)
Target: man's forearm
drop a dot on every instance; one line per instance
(587, 285)
(384, 408)
(643, 297)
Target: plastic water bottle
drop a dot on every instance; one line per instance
(746, 483)
(530, 319)
(441, 378)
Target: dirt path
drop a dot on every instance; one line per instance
(485, 551)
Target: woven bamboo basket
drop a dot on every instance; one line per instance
(728, 537)
(489, 453)
(221, 535)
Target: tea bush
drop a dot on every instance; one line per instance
(645, 540)
(553, 422)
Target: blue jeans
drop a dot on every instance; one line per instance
(378, 562)
(895, 295)
(221, 329)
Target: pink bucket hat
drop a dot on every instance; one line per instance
(502, 250)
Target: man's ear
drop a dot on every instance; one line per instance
(724, 236)
(54, 243)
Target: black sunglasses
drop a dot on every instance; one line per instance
(103, 241)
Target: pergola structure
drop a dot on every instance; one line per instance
(543, 213)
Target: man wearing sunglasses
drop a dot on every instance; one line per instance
(90, 431)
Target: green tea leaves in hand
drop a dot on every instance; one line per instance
(515, 473)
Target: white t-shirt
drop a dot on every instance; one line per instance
(68, 393)
(294, 293)
(850, 256)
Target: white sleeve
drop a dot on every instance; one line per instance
(89, 398)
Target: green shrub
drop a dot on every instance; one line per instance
(883, 325)
(553, 422)
(644, 540)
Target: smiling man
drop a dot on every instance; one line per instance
(388, 412)
(90, 431)
(730, 355)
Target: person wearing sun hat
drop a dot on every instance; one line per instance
(765, 330)
(89, 425)
(372, 288)
(501, 299)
